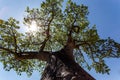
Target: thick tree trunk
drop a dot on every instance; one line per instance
(61, 67)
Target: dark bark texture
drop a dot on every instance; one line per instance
(61, 67)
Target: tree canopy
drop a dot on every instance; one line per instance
(57, 26)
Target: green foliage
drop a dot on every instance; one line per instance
(54, 24)
(11, 39)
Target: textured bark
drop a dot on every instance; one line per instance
(61, 67)
(42, 56)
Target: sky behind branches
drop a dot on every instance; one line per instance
(104, 13)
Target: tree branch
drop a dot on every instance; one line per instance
(70, 32)
(44, 55)
(8, 50)
(15, 40)
(47, 32)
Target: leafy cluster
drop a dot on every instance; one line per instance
(12, 42)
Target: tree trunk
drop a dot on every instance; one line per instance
(61, 67)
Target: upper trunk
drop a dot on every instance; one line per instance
(62, 66)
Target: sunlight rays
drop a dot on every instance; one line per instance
(32, 27)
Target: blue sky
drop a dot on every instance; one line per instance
(104, 13)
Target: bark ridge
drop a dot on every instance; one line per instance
(60, 69)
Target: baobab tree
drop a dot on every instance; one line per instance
(63, 41)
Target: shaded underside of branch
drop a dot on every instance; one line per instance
(43, 55)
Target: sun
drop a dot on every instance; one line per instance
(32, 27)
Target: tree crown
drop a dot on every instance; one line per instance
(56, 27)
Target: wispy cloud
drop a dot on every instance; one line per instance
(3, 10)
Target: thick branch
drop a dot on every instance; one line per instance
(70, 32)
(44, 55)
(70, 45)
(8, 50)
